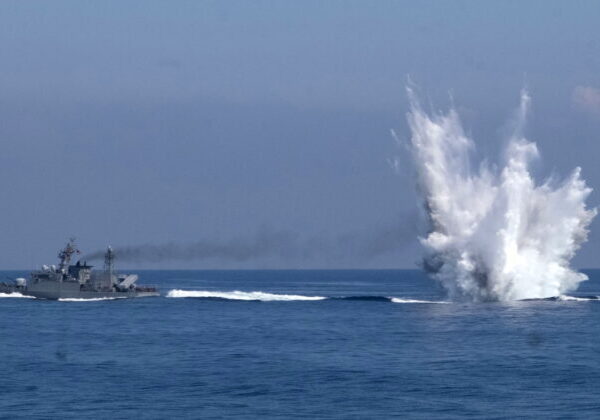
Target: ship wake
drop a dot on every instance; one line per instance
(98, 299)
(238, 295)
(273, 297)
(15, 295)
(494, 234)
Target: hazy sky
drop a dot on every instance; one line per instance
(131, 123)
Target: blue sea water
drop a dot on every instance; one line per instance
(360, 355)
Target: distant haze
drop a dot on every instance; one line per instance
(186, 127)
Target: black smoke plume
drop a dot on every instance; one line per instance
(272, 243)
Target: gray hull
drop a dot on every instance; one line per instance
(72, 290)
(10, 288)
(85, 295)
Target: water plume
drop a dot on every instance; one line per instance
(494, 234)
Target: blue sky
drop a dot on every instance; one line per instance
(175, 122)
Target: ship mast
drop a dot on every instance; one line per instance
(109, 264)
(65, 255)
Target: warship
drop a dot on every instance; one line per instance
(78, 281)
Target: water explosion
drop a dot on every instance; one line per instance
(493, 233)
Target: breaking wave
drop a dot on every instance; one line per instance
(494, 234)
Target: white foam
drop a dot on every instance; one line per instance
(494, 233)
(577, 299)
(15, 295)
(238, 295)
(90, 299)
(402, 300)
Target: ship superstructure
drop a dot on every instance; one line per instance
(79, 281)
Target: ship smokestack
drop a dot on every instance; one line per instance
(109, 258)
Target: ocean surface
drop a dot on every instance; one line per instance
(300, 344)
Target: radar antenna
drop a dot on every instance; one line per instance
(65, 254)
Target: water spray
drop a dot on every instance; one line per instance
(494, 234)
